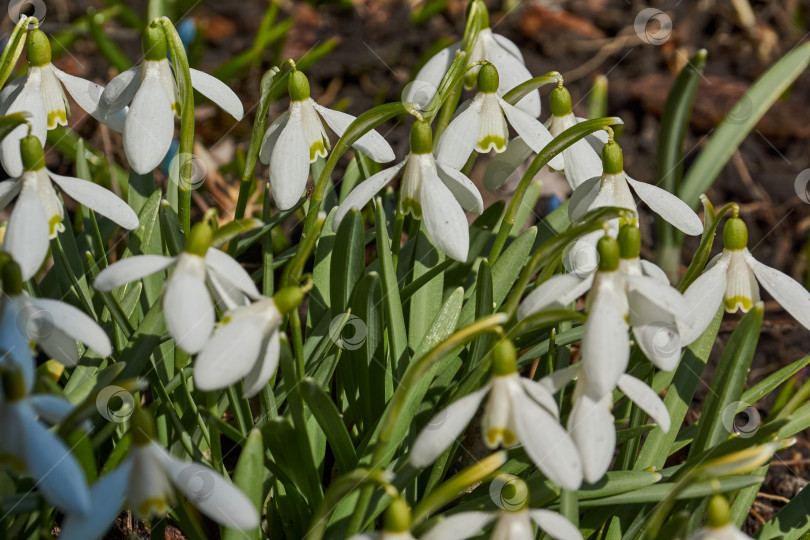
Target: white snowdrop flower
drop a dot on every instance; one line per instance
(29, 447)
(52, 325)
(518, 410)
(151, 90)
(40, 95)
(513, 520)
(396, 524)
(581, 160)
(245, 345)
(430, 190)
(612, 188)
(733, 279)
(591, 423)
(718, 523)
(147, 481)
(187, 304)
(480, 125)
(297, 138)
(38, 212)
(493, 48)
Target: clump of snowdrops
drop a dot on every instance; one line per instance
(414, 363)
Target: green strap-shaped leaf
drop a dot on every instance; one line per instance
(249, 477)
(348, 261)
(791, 522)
(740, 121)
(327, 415)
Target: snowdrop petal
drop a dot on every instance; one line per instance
(704, 296)
(507, 44)
(271, 136)
(513, 526)
(546, 442)
(229, 355)
(230, 270)
(528, 127)
(188, 311)
(73, 322)
(59, 346)
(264, 369)
(30, 102)
(541, 395)
(459, 526)
(100, 200)
(605, 344)
(27, 232)
(218, 92)
(10, 92)
(59, 476)
(50, 408)
(512, 72)
(459, 139)
(555, 525)
(668, 206)
(210, 492)
(149, 127)
(107, 497)
(364, 192)
(88, 94)
(591, 426)
(507, 165)
(654, 271)
(120, 91)
(426, 82)
(444, 218)
(554, 382)
(444, 428)
(646, 398)
(790, 294)
(660, 342)
(462, 188)
(15, 351)
(289, 164)
(581, 163)
(583, 197)
(130, 269)
(371, 144)
(8, 190)
(557, 291)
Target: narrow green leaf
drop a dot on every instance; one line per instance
(249, 478)
(791, 522)
(773, 381)
(330, 421)
(348, 261)
(657, 492)
(225, 234)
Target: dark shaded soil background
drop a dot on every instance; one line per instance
(378, 47)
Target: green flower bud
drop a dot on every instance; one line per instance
(718, 512)
(199, 239)
(155, 46)
(298, 86)
(735, 234)
(12, 279)
(629, 242)
(13, 382)
(560, 100)
(33, 157)
(488, 79)
(421, 138)
(397, 517)
(142, 427)
(612, 158)
(288, 298)
(504, 358)
(608, 249)
(38, 48)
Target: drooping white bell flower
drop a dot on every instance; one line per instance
(718, 523)
(187, 304)
(733, 279)
(245, 345)
(591, 423)
(430, 190)
(493, 48)
(513, 521)
(297, 138)
(38, 212)
(30, 448)
(480, 125)
(147, 480)
(40, 95)
(612, 188)
(52, 325)
(581, 160)
(151, 88)
(518, 410)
